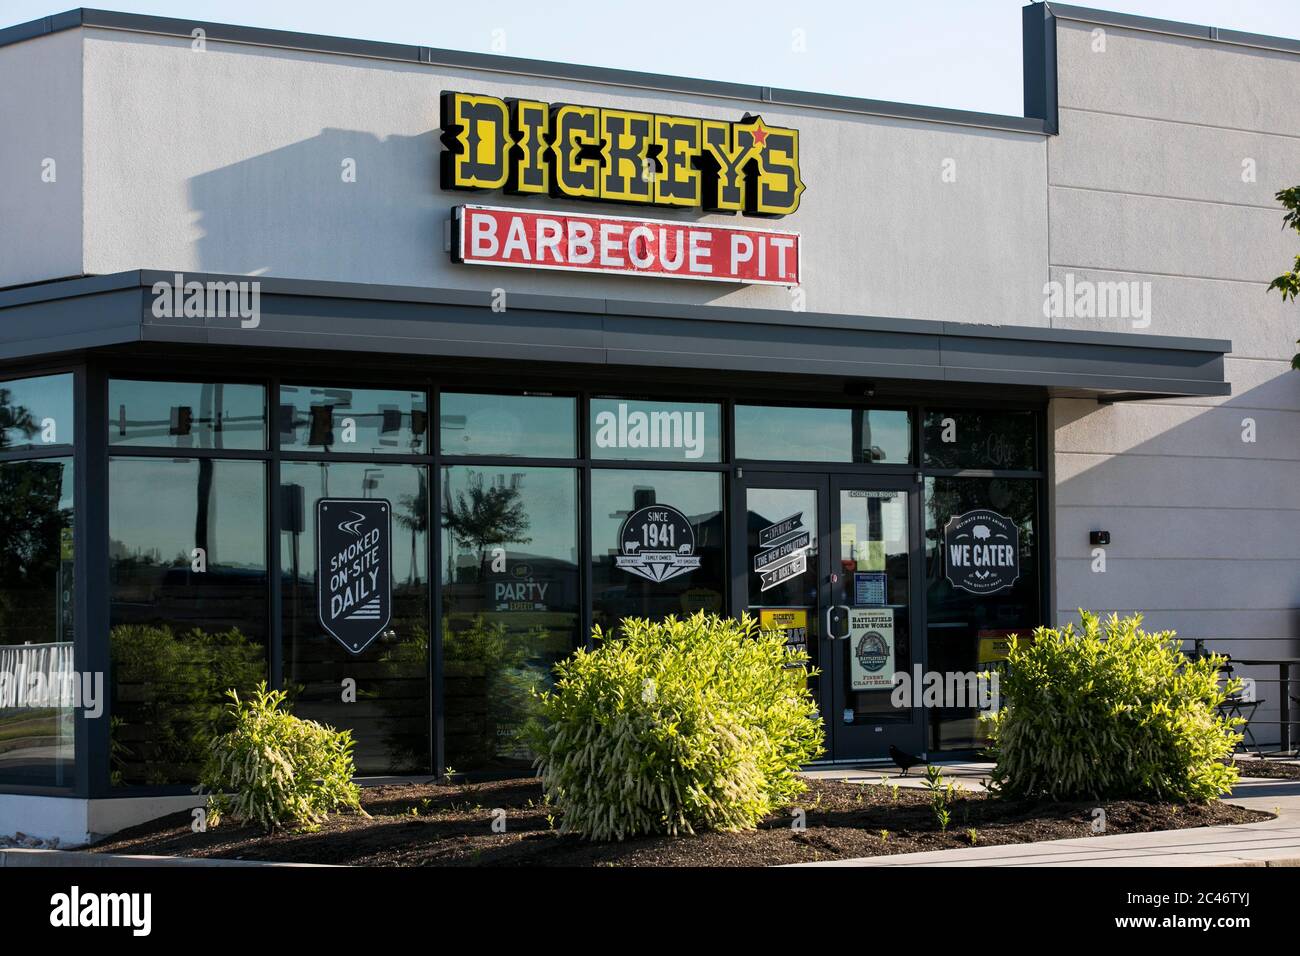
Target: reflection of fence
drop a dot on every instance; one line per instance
(36, 675)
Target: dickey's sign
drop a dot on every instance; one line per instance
(563, 150)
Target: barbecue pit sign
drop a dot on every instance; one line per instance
(354, 582)
(982, 551)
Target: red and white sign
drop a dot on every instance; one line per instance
(576, 242)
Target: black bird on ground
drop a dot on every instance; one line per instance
(903, 759)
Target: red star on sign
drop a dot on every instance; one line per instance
(760, 134)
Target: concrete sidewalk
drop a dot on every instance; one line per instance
(1269, 843)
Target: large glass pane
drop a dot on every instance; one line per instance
(780, 433)
(982, 584)
(657, 543)
(186, 414)
(626, 430)
(361, 420)
(981, 439)
(510, 586)
(36, 412)
(381, 693)
(873, 583)
(37, 693)
(188, 586)
(531, 425)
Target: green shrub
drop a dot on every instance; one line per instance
(1111, 712)
(674, 727)
(274, 768)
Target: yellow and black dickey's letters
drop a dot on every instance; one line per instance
(569, 151)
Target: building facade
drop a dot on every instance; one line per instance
(384, 373)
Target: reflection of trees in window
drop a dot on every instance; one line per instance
(32, 530)
(488, 683)
(15, 418)
(481, 516)
(168, 697)
(415, 519)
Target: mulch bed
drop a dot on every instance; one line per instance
(450, 824)
(1274, 769)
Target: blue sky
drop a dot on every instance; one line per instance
(963, 54)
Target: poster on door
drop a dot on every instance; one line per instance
(790, 621)
(871, 648)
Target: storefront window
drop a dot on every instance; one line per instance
(35, 412)
(981, 439)
(188, 586)
(37, 692)
(657, 544)
(353, 420)
(534, 426)
(627, 430)
(862, 435)
(381, 693)
(510, 593)
(186, 415)
(982, 584)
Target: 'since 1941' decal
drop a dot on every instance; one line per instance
(656, 543)
(354, 581)
(563, 150)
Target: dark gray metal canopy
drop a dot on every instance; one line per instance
(74, 315)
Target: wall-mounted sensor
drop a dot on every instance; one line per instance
(1099, 537)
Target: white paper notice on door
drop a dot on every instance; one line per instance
(871, 648)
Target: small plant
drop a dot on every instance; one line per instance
(941, 795)
(884, 836)
(674, 727)
(973, 835)
(1112, 711)
(274, 768)
(894, 791)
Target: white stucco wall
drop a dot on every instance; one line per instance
(230, 160)
(40, 204)
(1146, 184)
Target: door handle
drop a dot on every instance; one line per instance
(837, 622)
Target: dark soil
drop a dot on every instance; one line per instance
(1275, 769)
(439, 824)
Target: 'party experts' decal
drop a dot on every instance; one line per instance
(981, 551)
(657, 543)
(354, 581)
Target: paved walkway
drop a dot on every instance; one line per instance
(1270, 843)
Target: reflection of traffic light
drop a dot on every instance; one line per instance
(322, 425)
(392, 421)
(182, 420)
(419, 424)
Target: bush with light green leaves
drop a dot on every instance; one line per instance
(273, 768)
(676, 727)
(1112, 711)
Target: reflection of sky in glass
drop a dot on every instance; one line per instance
(698, 495)
(366, 408)
(549, 499)
(141, 413)
(153, 504)
(27, 402)
(817, 434)
(539, 426)
(399, 484)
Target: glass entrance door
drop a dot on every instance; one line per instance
(874, 539)
(815, 545)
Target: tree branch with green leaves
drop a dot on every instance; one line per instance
(1289, 282)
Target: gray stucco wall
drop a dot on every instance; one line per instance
(1146, 184)
(230, 161)
(40, 204)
